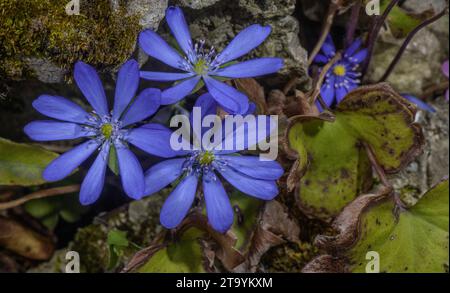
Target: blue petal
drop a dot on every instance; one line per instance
(178, 26)
(262, 189)
(328, 91)
(218, 207)
(179, 202)
(208, 106)
(145, 105)
(353, 48)
(179, 91)
(164, 76)
(321, 59)
(247, 40)
(65, 164)
(153, 139)
(359, 57)
(126, 87)
(60, 108)
(162, 174)
(53, 130)
(328, 47)
(92, 185)
(252, 166)
(341, 92)
(420, 103)
(251, 68)
(130, 172)
(227, 96)
(90, 85)
(245, 134)
(157, 48)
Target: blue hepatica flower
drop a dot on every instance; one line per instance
(419, 103)
(206, 167)
(103, 129)
(202, 65)
(344, 76)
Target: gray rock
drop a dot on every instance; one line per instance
(151, 11)
(218, 22)
(45, 70)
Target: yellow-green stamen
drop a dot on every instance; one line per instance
(200, 67)
(206, 158)
(107, 130)
(340, 70)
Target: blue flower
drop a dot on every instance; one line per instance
(419, 103)
(344, 76)
(203, 167)
(103, 129)
(202, 65)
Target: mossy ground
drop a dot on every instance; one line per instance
(99, 36)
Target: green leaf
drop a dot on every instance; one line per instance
(401, 22)
(332, 153)
(182, 256)
(113, 162)
(40, 208)
(413, 240)
(50, 221)
(117, 238)
(23, 164)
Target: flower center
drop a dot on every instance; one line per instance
(107, 130)
(205, 158)
(340, 70)
(201, 67)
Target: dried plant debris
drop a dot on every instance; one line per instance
(377, 233)
(332, 157)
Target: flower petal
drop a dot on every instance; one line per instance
(154, 139)
(218, 207)
(262, 189)
(90, 85)
(60, 108)
(177, 24)
(179, 91)
(53, 130)
(341, 92)
(162, 174)
(126, 87)
(445, 68)
(251, 68)
(252, 166)
(164, 76)
(321, 59)
(157, 48)
(179, 202)
(247, 40)
(353, 48)
(92, 185)
(328, 47)
(227, 96)
(145, 105)
(359, 57)
(208, 106)
(328, 91)
(65, 164)
(130, 172)
(420, 103)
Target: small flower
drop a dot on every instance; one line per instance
(204, 166)
(199, 63)
(344, 76)
(445, 71)
(103, 129)
(419, 103)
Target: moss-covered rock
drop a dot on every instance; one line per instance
(40, 38)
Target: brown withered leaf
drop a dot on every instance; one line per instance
(274, 228)
(254, 91)
(23, 241)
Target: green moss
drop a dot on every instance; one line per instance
(90, 243)
(41, 28)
